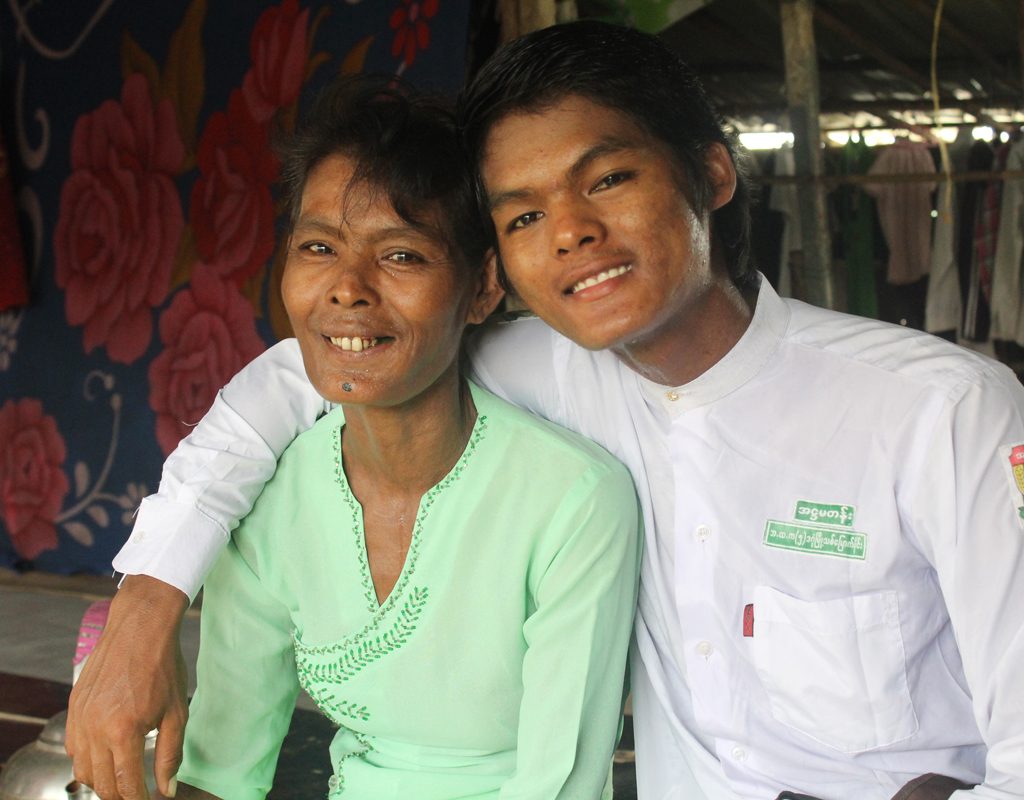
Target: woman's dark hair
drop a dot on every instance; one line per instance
(403, 143)
(628, 71)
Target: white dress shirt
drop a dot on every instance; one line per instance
(847, 480)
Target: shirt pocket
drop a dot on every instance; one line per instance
(835, 670)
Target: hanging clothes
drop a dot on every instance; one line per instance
(766, 224)
(13, 274)
(943, 306)
(986, 229)
(783, 200)
(1007, 295)
(975, 325)
(904, 210)
(856, 212)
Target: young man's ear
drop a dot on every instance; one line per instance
(488, 291)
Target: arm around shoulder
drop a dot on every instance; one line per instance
(216, 473)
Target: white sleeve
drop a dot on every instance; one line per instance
(216, 473)
(969, 511)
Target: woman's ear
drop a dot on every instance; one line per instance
(488, 291)
(722, 172)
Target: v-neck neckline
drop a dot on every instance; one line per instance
(373, 605)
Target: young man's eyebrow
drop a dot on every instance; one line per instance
(501, 198)
(607, 146)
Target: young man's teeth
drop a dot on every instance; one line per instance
(601, 277)
(354, 343)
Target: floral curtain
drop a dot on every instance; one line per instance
(139, 163)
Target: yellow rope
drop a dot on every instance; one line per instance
(947, 168)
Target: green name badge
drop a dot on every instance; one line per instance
(824, 513)
(815, 539)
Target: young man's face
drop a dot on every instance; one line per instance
(595, 233)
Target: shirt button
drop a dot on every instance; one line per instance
(703, 533)
(672, 395)
(739, 753)
(705, 649)
(332, 782)
(138, 536)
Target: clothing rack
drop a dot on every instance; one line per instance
(909, 177)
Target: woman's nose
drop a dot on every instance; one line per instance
(353, 285)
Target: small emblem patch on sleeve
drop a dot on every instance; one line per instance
(1012, 456)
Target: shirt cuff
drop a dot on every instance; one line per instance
(173, 543)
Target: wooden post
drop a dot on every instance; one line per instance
(1020, 39)
(522, 16)
(814, 283)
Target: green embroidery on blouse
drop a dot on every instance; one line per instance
(370, 594)
(361, 649)
(322, 667)
(336, 783)
(357, 523)
(337, 709)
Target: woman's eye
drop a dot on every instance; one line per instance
(608, 181)
(317, 248)
(524, 219)
(403, 257)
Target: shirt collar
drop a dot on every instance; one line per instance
(746, 359)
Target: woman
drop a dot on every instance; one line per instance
(451, 579)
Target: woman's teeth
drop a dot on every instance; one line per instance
(354, 343)
(601, 277)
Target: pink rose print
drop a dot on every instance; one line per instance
(120, 220)
(32, 480)
(278, 50)
(410, 26)
(208, 333)
(232, 211)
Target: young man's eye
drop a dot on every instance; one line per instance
(523, 220)
(614, 179)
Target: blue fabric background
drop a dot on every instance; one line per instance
(79, 446)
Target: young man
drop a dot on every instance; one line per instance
(833, 507)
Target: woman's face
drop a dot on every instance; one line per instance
(378, 306)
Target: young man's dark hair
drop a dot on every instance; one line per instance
(404, 144)
(628, 71)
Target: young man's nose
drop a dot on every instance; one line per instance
(575, 225)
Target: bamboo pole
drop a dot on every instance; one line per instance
(814, 281)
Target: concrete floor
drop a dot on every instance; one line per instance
(39, 620)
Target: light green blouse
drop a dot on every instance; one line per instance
(493, 670)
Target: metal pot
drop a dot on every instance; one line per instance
(42, 770)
